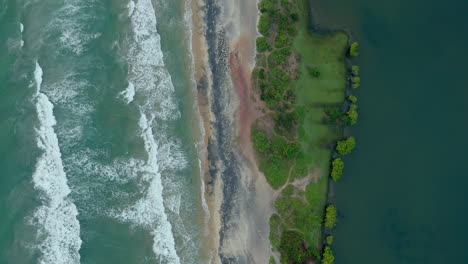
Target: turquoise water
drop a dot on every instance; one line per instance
(98, 160)
(402, 198)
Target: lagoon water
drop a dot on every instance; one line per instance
(97, 156)
(402, 198)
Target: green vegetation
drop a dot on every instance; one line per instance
(352, 99)
(288, 191)
(274, 236)
(337, 169)
(314, 71)
(292, 247)
(330, 217)
(272, 260)
(262, 45)
(353, 49)
(264, 24)
(351, 116)
(355, 82)
(355, 70)
(301, 76)
(328, 257)
(329, 240)
(344, 147)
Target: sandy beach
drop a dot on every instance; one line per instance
(239, 198)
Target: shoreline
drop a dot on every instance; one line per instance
(238, 196)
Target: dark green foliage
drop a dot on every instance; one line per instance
(353, 49)
(352, 99)
(290, 96)
(285, 122)
(291, 29)
(333, 113)
(314, 71)
(329, 240)
(262, 44)
(267, 5)
(346, 146)
(337, 169)
(261, 74)
(264, 24)
(292, 247)
(282, 148)
(355, 70)
(330, 217)
(282, 39)
(294, 16)
(328, 257)
(279, 57)
(261, 143)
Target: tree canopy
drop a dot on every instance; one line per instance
(337, 169)
(330, 216)
(353, 49)
(328, 257)
(346, 146)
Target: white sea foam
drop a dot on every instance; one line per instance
(22, 29)
(131, 8)
(146, 65)
(71, 22)
(56, 218)
(153, 85)
(128, 94)
(149, 211)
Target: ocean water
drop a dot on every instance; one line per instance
(97, 149)
(402, 197)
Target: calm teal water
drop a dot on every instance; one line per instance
(98, 162)
(402, 198)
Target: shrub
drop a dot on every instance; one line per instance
(281, 40)
(266, 5)
(285, 122)
(346, 146)
(352, 99)
(353, 49)
(355, 70)
(292, 247)
(329, 240)
(262, 44)
(356, 82)
(333, 113)
(261, 142)
(294, 16)
(352, 115)
(337, 169)
(314, 71)
(291, 28)
(328, 257)
(264, 24)
(330, 217)
(274, 236)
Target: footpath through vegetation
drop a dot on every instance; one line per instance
(303, 79)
